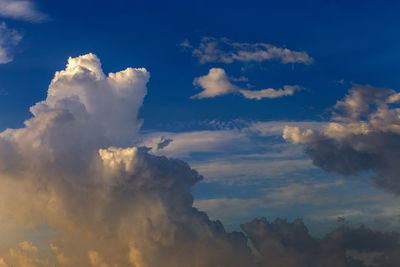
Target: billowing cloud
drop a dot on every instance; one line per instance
(110, 206)
(9, 39)
(21, 10)
(364, 136)
(217, 83)
(226, 51)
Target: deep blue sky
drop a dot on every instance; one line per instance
(354, 41)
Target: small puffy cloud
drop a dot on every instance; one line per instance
(226, 51)
(9, 39)
(364, 135)
(21, 10)
(217, 83)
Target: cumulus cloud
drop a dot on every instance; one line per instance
(217, 83)
(110, 205)
(226, 51)
(9, 39)
(21, 10)
(363, 136)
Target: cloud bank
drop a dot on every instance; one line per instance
(217, 83)
(364, 136)
(9, 39)
(226, 51)
(75, 167)
(21, 10)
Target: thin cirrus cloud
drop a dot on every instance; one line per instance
(9, 39)
(226, 51)
(21, 10)
(217, 83)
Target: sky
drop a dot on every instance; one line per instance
(257, 133)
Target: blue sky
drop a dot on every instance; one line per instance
(354, 41)
(322, 49)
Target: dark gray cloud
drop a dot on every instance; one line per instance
(363, 136)
(288, 244)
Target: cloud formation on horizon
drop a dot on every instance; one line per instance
(217, 83)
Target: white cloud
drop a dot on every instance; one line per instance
(109, 205)
(9, 39)
(21, 10)
(217, 83)
(224, 50)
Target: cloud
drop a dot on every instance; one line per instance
(74, 167)
(217, 83)
(9, 39)
(241, 153)
(287, 90)
(226, 51)
(21, 10)
(24, 255)
(287, 195)
(364, 136)
(281, 243)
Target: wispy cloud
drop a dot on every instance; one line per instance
(226, 51)
(21, 10)
(251, 152)
(9, 39)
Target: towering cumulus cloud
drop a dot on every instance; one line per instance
(110, 206)
(364, 136)
(75, 168)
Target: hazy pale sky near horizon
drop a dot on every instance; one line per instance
(286, 109)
